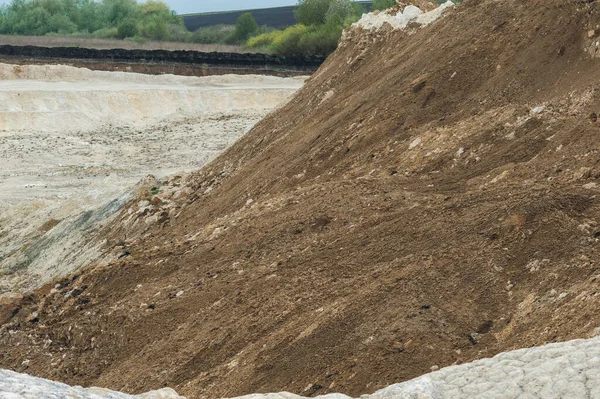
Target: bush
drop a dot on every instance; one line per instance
(154, 29)
(115, 11)
(339, 12)
(212, 34)
(127, 28)
(34, 22)
(318, 36)
(61, 24)
(312, 12)
(263, 41)
(322, 40)
(245, 27)
(156, 16)
(359, 10)
(88, 16)
(178, 33)
(286, 41)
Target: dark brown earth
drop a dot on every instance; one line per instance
(179, 62)
(424, 200)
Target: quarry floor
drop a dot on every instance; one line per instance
(67, 147)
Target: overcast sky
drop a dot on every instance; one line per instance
(192, 6)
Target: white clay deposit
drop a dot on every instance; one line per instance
(21, 386)
(569, 370)
(410, 14)
(58, 98)
(73, 140)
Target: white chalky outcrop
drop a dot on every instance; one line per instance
(564, 370)
(21, 386)
(376, 20)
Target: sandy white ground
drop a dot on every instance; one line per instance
(21, 386)
(71, 140)
(568, 370)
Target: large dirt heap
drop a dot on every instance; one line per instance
(429, 197)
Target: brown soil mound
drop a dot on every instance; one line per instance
(425, 200)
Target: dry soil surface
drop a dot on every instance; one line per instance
(429, 197)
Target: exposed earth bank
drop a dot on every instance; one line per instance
(183, 62)
(428, 198)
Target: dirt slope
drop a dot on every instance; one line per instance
(424, 200)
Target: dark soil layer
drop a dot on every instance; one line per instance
(160, 68)
(424, 200)
(183, 60)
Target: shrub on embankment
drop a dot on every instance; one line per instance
(319, 28)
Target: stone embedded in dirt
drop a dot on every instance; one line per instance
(474, 338)
(419, 83)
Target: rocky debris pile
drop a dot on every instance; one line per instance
(21, 386)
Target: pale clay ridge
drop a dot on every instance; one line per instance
(568, 370)
(411, 14)
(63, 73)
(61, 98)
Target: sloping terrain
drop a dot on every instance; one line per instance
(73, 143)
(430, 197)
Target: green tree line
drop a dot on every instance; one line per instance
(152, 19)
